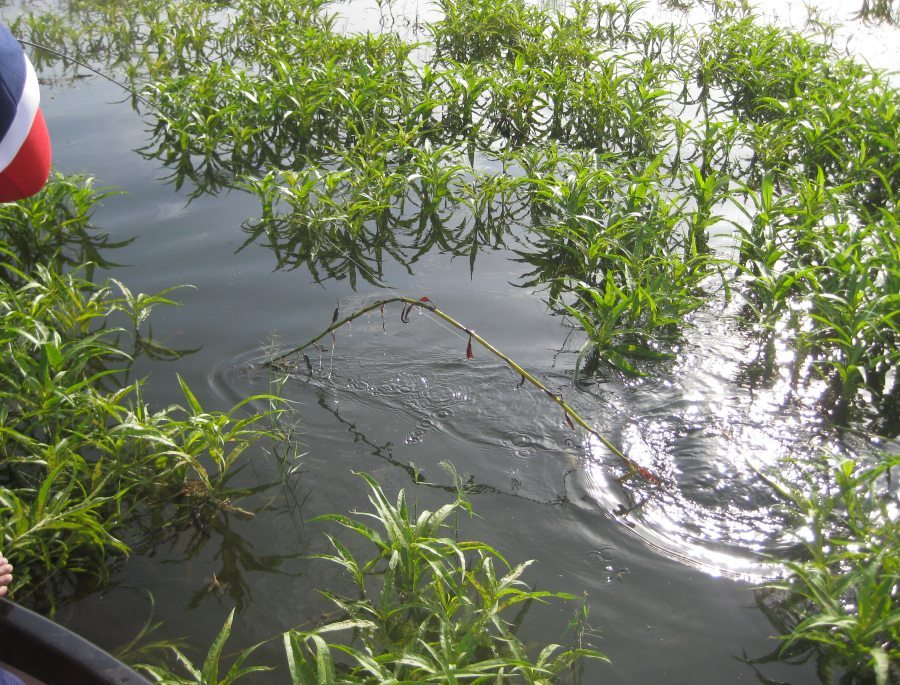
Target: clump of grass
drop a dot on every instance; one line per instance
(427, 607)
(880, 10)
(207, 673)
(361, 146)
(56, 223)
(839, 604)
(470, 30)
(83, 456)
(829, 283)
(613, 240)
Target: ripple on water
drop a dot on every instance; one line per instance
(600, 564)
(435, 404)
(698, 427)
(707, 434)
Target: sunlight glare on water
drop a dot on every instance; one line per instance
(708, 434)
(702, 430)
(723, 412)
(874, 42)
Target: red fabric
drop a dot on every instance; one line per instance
(29, 170)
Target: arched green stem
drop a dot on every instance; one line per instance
(426, 304)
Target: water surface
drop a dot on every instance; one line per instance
(668, 574)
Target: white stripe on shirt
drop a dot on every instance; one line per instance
(25, 113)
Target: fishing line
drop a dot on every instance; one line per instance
(362, 267)
(396, 292)
(109, 78)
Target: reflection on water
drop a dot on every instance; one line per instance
(56, 225)
(232, 555)
(333, 249)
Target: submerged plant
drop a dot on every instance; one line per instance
(880, 10)
(426, 606)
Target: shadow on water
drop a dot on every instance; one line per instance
(214, 537)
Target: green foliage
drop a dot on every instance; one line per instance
(81, 454)
(608, 148)
(841, 602)
(427, 608)
(208, 672)
(57, 223)
(627, 253)
(832, 284)
(611, 146)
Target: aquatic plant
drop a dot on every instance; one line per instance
(620, 145)
(56, 224)
(812, 270)
(880, 10)
(612, 239)
(604, 148)
(839, 603)
(427, 607)
(208, 673)
(82, 454)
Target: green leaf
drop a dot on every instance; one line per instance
(210, 672)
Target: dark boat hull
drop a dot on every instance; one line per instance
(53, 654)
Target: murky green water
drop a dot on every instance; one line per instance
(669, 576)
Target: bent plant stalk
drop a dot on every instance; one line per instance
(572, 417)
